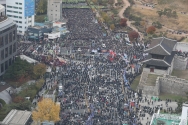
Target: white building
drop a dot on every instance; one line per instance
(54, 10)
(3, 2)
(22, 12)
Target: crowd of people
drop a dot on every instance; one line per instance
(96, 90)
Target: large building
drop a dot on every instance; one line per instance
(2, 2)
(8, 45)
(22, 12)
(161, 54)
(36, 33)
(54, 10)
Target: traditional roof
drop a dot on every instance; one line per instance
(166, 62)
(161, 46)
(156, 62)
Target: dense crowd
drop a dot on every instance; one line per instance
(95, 90)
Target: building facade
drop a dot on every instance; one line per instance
(54, 10)
(36, 33)
(2, 2)
(22, 13)
(8, 45)
(160, 56)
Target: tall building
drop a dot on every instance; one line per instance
(54, 10)
(22, 12)
(8, 45)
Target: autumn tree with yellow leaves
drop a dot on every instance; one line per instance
(46, 110)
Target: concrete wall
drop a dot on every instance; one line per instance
(166, 84)
(173, 85)
(150, 90)
(180, 63)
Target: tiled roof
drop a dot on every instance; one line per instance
(161, 46)
(156, 62)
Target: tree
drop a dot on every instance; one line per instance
(105, 16)
(133, 35)
(150, 30)
(123, 22)
(160, 13)
(18, 99)
(157, 24)
(42, 7)
(19, 69)
(47, 110)
(112, 27)
(39, 69)
(179, 103)
(111, 2)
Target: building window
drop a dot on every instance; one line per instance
(9, 6)
(14, 47)
(15, 7)
(6, 65)
(1, 42)
(15, 16)
(20, 26)
(20, 3)
(10, 49)
(6, 39)
(10, 37)
(14, 36)
(20, 17)
(2, 67)
(20, 8)
(2, 54)
(10, 61)
(20, 21)
(16, 2)
(6, 52)
(9, 11)
(15, 11)
(20, 12)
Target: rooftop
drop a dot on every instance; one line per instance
(166, 119)
(2, 18)
(161, 46)
(16, 117)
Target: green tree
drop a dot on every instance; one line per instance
(157, 24)
(42, 7)
(179, 103)
(160, 13)
(20, 68)
(39, 70)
